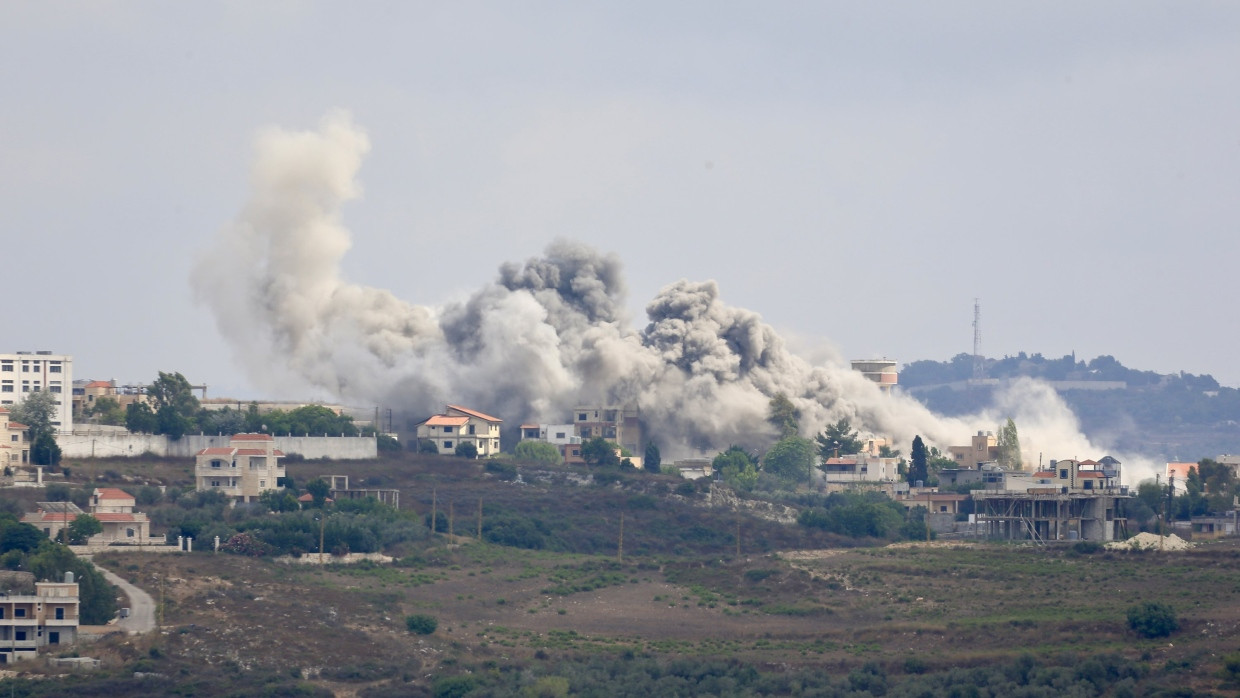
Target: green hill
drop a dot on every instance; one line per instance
(1169, 416)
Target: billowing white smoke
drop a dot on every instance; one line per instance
(549, 334)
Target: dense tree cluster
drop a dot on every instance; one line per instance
(864, 515)
(37, 412)
(1077, 674)
(172, 409)
(24, 547)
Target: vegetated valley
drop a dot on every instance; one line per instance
(555, 600)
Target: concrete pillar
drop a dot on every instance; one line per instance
(217, 544)
(180, 542)
(39, 475)
(189, 545)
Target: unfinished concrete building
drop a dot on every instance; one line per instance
(1071, 501)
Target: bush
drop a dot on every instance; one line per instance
(538, 452)
(503, 471)
(421, 624)
(1087, 547)
(453, 686)
(1153, 619)
(467, 449)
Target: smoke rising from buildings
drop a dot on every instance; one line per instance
(546, 335)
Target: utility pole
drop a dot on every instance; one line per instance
(978, 371)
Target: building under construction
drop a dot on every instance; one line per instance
(1073, 500)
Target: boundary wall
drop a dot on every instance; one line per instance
(90, 443)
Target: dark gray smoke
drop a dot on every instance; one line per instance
(547, 335)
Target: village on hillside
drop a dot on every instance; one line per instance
(972, 491)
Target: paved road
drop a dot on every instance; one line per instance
(141, 606)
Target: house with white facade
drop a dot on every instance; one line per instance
(14, 447)
(27, 372)
(247, 467)
(114, 508)
(562, 436)
(46, 618)
(860, 467)
(457, 425)
(121, 524)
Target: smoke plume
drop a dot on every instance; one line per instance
(546, 335)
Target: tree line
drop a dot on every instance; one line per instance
(171, 409)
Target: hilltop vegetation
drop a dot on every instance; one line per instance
(1172, 416)
(545, 603)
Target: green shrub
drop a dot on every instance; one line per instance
(421, 624)
(453, 686)
(1152, 619)
(502, 471)
(1086, 547)
(538, 452)
(759, 575)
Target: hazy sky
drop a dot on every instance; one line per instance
(855, 172)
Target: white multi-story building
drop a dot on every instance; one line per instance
(247, 467)
(29, 372)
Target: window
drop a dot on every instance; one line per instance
(559, 435)
(54, 388)
(60, 614)
(581, 416)
(129, 533)
(216, 464)
(53, 638)
(19, 613)
(1063, 473)
(447, 430)
(7, 368)
(20, 634)
(471, 429)
(54, 368)
(262, 484)
(13, 438)
(1, 612)
(8, 388)
(447, 444)
(943, 508)
(215, 483)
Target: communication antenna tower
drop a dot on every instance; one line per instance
(977, 339)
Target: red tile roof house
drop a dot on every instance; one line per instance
(247, 467)
(462, 425)
(113, 507)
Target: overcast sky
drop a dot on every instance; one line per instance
(857, 173)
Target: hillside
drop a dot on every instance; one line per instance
(557, 611)
(1167, 417)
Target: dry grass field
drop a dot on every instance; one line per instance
(508, 618)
